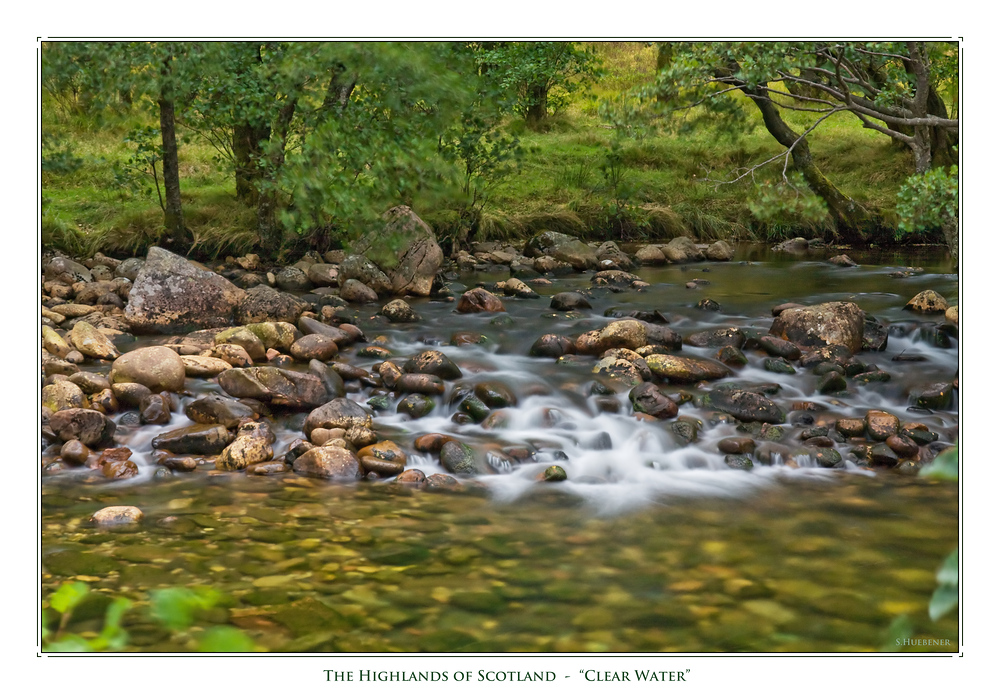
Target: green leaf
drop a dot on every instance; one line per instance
(900, 629)
(948, 573)
(175, 607)
(69, 644)
(944, 466)
(225, 639)
(68, 596)
(945, 598)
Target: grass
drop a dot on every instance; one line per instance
(669, 184)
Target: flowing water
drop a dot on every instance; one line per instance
(651, 544)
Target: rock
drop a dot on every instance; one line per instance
(115, 464)
(204, 367)
(435, 363)
(323, 274)
(292, 279)
(928, 301)
(339, 413)
(876, 336)
(851, 427)
(776, 347)
(411, 268)
(562, 248)
(74, 452)
(796, 246)
(129, 268)
(609, 250)
(569, 301)
(662, 336)
(130, 394)
(244, 451)
(515, 287)
(720, 251)
(842, 261)
(328, 462)
(881, 455)
(627, 334)
(950, 315)
(460, 459)
(92, 343)
(616, 279)
(234, 355)
(937, 396)
(357, 292)
(552, 346)
(479, 300)
(682, 250)
(737, 445)
(546, 264)
(315, 346)
(834, 323)
(778, 365)
(717, 338)
(331, 380)
(731, 356)
(216, 409)
(745, 405)
(685, 369)
(262, 304)
(54, 344)
(66, 271)
(415, 405)
(648, 399)
(619, 369)
(495, 395)
(553, 473)
(92, 428)
(158, 368)
(63, 395)
(172, 295)
(650, 255)
(903, 446)
(427, 384)
(246, 339)
(398, 311)
(198, 439)
(831, 382)
(154, 409)
(475, 408)
(117, 515)
(881, 425)
(273, 385)
(342, 337)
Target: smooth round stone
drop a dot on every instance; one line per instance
(117, 515)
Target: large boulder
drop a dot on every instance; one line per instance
(172, 295)
(563, 248)
(405, 250)
(339, 413)
(833, 323)
(157, 367)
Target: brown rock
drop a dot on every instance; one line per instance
(834, 323)
(328, 462)
(158, 368)
(881, 425)
(117, 515)
(928, 301)
(479, 300)
(204, 367)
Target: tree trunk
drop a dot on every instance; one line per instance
(173, 214)
(247, 152)
(538, 104)
(950, 229)
(268, 229)
(847, 214)
(339, 90)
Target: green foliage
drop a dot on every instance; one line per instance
(58, 158)
(789, 202)
(541, 74)
(175, 608)
(928, 200)
(135, 173)
(945, 597)
(111, 638)
(944, 466)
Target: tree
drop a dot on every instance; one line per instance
(152, 73)
(929, 200)
(541, 74)
(892, 88)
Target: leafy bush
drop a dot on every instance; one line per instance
(928, 201)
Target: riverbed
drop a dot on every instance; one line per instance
(652, 543)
